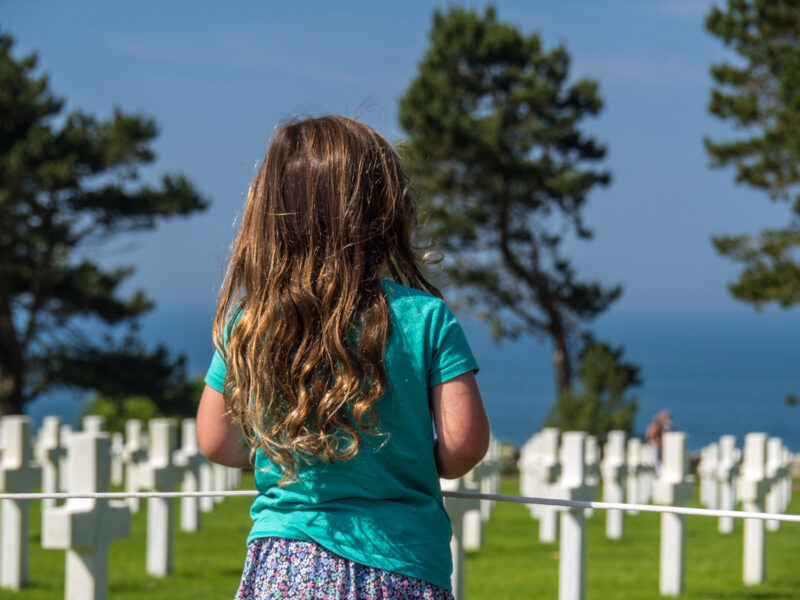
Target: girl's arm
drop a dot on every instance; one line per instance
(221, 440)
(462, 426)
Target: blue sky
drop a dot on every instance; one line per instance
(217, 77)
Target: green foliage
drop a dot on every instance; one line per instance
(600, 403)
(179, 401)
(500, 165)
(67, 184)
(759, 94)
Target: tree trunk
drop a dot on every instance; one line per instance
(12, 403)
(12, 364)
(561, 362)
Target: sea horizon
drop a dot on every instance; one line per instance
(717, 372)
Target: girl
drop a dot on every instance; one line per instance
(326, 375)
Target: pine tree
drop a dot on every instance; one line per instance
(68, 183)
(599, 403)
(759, 94)
(503, 172)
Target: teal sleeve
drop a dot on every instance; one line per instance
(450, 352)
(215, 376)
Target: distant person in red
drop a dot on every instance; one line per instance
(655, 431)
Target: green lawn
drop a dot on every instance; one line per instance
(512, 564)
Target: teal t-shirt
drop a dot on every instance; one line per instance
(383, 508)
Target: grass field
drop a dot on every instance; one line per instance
(511, 565)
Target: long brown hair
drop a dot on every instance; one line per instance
(302, 320)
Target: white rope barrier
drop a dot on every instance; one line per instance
(679, 510)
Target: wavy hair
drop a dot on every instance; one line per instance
(302, 320)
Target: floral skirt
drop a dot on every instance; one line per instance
(294, 570)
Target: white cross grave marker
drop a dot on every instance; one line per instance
(547, 470)
(672, 488)
(707, 471)
(117, 446)
(133, 454)
(206, 477)
(786, 496)
(63, 462)
(647, 471)
(160, 474)
(592, 468)
(633, 479)
(18, 473)
(753, 487)
(49, 451)
(85, 527)
(94, 423)
(189, 458)
(727, 467)
(775, 475)
(613, 470)
(456, 508)
(572, 545)
(528, 482)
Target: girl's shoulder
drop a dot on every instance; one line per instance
(404, 298)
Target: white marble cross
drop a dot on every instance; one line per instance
(117, 446)
(63, 463)
(528, 483)
(672, 488)
(727, 468)
(49, 451)
(547, 470)
(221, 480)
(592, 466)
(189, 458)
(94, 423)
(786, 496)
(133, 454)
(572, 485)
(707, 471)
(753, 487)
(161, 474)
(613, 469)
(85, 527)
(647, 472)
(206, 481)
(18, 473)
(456, 508)
(633, 480)
(775, 474)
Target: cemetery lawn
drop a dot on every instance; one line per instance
(511, 565)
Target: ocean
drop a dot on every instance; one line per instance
(717, 373)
